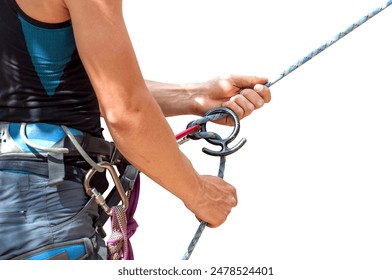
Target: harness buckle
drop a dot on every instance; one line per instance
(94, 193)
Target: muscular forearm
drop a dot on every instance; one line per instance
(176, 99)
(143, 135)
(242, 94)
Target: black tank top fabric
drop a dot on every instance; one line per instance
(42, 78)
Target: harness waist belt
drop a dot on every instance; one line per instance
(14, 147)
(50, 136)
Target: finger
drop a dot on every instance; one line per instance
(219, 221)
(236, 108)
(246, 106)
(253, 97)
(263, 91)
(235, 197)
(233, 201)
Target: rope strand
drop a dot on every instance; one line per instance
(323, 47)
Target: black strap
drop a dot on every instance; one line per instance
(73, 173)
(93, 146)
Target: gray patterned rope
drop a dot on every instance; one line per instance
(222, 164)
(329, 43)
(206, 119)
(194, 241)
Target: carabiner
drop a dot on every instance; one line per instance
(225, 149)
(94, 193)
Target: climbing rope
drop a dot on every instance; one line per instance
(329, 43)
(202, 224)
(196, 129)
(118, 241)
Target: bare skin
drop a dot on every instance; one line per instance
(242, 94)
(135, 110)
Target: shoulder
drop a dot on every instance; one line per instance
(48, 11)
(88, 7)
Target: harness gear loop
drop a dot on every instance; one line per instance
(81, 150)
(94, 193)
(38, 147)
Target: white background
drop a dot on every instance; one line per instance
(314, 179)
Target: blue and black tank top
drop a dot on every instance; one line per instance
(42, 78)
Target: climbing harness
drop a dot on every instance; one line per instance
(197, 129)
(43, 149)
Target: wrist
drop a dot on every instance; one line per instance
(187, 183)
(196, 93)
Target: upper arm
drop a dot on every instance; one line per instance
(106, 51)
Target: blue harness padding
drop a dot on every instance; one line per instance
(70, 250)
(41, 134)
(46, 135)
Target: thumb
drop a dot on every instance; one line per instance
(242, 81)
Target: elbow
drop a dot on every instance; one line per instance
(122, 117)
(117, 118)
